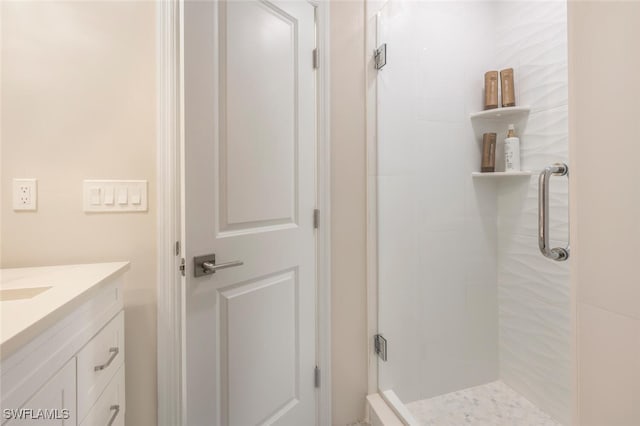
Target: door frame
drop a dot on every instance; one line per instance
(170, 203)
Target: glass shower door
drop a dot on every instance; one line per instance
(465, 300)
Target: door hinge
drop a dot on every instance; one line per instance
(380, 346)
(380, 56)
(316, 218)
(316, 58)
(316, 377)
(177, 248)
(182, 266)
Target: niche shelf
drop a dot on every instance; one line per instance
(516, 113)
(497, 121)
(494, 175)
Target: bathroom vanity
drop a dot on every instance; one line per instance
(62, 344)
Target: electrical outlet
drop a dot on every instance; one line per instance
(25, 194)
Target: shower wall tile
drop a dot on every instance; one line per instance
(544, 142)
(534, 309)
(545, 139)
(533, 292)
(542, 87)
(518, 201)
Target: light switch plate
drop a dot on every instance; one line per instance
(25, 194)
(115, 197)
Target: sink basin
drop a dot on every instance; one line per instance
(21, 293)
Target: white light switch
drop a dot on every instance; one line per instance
(114, 196)
(122, 195)
(136, 197)
(94, 193)
(108, 195)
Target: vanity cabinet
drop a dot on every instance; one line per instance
(71, 362)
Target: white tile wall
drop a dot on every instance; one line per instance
(464, 295)
(533, 292)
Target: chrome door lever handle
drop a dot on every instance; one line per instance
(212, 267)
(206, 265)
(558, 254)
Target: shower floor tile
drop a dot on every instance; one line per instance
(493, 404)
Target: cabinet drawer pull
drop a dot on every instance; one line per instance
(114, 353)
(116, 411)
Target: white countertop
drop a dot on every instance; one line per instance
(70, 285)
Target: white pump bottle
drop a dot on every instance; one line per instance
(511, 151)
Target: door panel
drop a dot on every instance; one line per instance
(259, 323)
(258, 139)
(249, 188)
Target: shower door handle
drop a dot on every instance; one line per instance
(557, 253)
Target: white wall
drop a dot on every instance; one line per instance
(533, 292)
(348, 213)
(436, 225)
(78, 102)
(605, 208)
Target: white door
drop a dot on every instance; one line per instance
(250, 193)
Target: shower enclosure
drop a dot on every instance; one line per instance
(474, 319)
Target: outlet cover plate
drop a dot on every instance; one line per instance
(25, 194)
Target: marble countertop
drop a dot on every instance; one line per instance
(33, 299)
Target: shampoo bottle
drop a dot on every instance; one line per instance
(511, 151)
(508, 90)
(488, 153)
(491, 90)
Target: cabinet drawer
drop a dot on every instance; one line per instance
(110, 407)
(98, 361)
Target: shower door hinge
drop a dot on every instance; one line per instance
(182, 266)
(316, 377)
(380, 346)
(316, 218)
(380, 56)
(316, 58)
